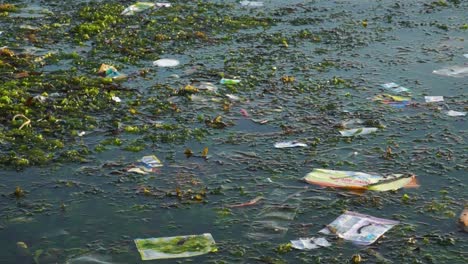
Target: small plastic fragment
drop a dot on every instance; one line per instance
(358, 131)
(136, 8)
(463, 219)
(175, 247)
(110, 72)
(116, 99)
(396, 88)
(251, 3)
(310, 243)
(454, 71)
(229, 81)
(207, 86)
(455, 113)
(433, 99)
(290, 144)
(359, 228)
(393, 100)
(166, 63)
(233, 97)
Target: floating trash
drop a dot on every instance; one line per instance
(433, 99)
(166, 63)
(146, 164)
(359, 181)
(463, 219)
(116, 99)
(233, 97)
(90, 259)
(142, 6)
(110, 72)
(175, 247)
(454, 71)
(229, 81)
(207, 86)
(310, 243)
(358, 131)
(290, 144)
(455, 113)
(396, 88)
(465, 55)
(244, 112)
(251, 202)
(359, 228)
(251, 3)
(393, 100)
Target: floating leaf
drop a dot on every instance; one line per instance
(205, 152)
(188, 153)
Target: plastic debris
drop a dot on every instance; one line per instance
(251, 3)
(273, 220)
(116, 99)
(359, 181)
(90, 259)
(433, 99)
(465, 55)
(136, 8)
(310, 243)
(81, 133)
(463, 220)
(396, 88)
(251, 202)
(454, 71)
(146, 164)
(166, 63)
(393, 100)
(290, 144)
(358, 131)
(455, 113)
(359, 228)
(233, 97)
(175, 247)
(110, 72)
(229, 81)
(207, 86)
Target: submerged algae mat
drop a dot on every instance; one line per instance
(308, 69)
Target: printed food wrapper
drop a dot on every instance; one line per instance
(359, 228)
(359, 181)
(175, 247)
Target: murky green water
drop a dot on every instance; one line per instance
(81, 204)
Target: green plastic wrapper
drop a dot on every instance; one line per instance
(175, 247)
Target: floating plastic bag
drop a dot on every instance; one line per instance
(455, 113)
(433, 99)
(251, 3)
(166, 63)
(454, 71)
(207, 86)
(175, 247)
(110, 72)
(358, 131)
(229, 81)
(146, 164)
(359, 181)
(359, 228)
(310, 243)
(393, 100)
(396, 88)
(290, 144)
(136, 8)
